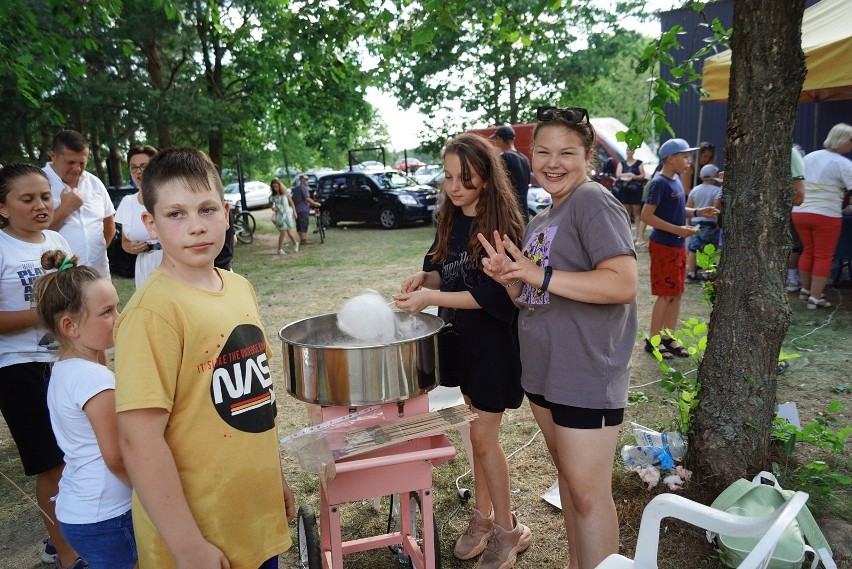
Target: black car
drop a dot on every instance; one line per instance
(387, 196)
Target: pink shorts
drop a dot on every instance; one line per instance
(668, 269)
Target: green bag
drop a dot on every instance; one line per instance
(756, 499)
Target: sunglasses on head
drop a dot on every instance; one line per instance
(572, 115)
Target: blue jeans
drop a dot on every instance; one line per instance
(270, 563)
(104, 545)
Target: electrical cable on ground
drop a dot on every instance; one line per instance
(823, 325)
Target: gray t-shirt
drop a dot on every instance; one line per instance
(575, 353)
(704, 195)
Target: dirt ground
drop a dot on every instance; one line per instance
(322, 277)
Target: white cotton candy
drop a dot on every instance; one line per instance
(367, 317)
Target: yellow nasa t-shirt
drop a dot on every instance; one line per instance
(203, 357)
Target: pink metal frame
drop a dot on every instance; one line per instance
(399, 469)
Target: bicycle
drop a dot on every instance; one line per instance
(244, 224)
(317, 211)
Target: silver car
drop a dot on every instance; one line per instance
(257, 194)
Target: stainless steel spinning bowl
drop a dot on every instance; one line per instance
(328, 367)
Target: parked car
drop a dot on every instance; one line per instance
(427, 172)
(369, 165)
(388, 197)
(257, 194)
(538, 200)
(312, 175)
(436, 181)
(117, 193)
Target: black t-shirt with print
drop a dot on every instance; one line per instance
(479, 351)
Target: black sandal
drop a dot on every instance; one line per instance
(664, 350)
(679, 350)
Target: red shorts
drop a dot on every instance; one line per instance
(668, 269)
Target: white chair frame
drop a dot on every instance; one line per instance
(771, 527)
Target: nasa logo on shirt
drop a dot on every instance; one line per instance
(241, 385)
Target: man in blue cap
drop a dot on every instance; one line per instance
(665, 210)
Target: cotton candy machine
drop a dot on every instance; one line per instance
(327, 367)
(389, 382)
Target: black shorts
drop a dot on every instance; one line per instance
(488, 373)
(23, 402)
(631, 194)
(303, 218)
(578, 417)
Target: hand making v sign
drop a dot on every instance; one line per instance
(506, 264)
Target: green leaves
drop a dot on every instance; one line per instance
(817, 474)
(496, 62)
(422, 35)
(666, 51)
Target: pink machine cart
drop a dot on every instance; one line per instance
(342, 380)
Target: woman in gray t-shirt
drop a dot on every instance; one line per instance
(575, 283)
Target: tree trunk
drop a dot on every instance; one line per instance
(733, 421)
(114, 161)
(155, 77)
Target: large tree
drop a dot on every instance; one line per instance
(731, 435)
(498, 63)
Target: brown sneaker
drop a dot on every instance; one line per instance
(473, 540)
(503, 546)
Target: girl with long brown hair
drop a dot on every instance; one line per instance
(479, 352)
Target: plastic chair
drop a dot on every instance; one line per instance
(771, 527)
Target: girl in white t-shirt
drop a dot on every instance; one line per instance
(79, 307)
(27, 349)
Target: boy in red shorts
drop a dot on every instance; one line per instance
(665, 210)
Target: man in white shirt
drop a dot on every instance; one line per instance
(83, 212)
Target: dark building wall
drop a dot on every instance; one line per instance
(684, 118)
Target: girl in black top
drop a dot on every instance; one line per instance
(479, 352)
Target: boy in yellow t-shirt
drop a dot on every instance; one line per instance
(196, 408)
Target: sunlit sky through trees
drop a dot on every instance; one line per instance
(404, 125)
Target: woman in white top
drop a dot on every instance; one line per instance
(818, 221)
(134, 236)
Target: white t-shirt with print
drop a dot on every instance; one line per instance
(20, 266)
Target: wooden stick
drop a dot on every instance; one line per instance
(386, 434)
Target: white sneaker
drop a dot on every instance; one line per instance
(296, 248)
(282, 252)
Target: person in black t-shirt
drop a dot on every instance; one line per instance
(226, 255)
(479, 352)
(516, 164)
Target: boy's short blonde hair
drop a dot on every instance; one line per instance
(193, 167)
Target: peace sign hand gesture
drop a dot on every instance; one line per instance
(505, 263)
